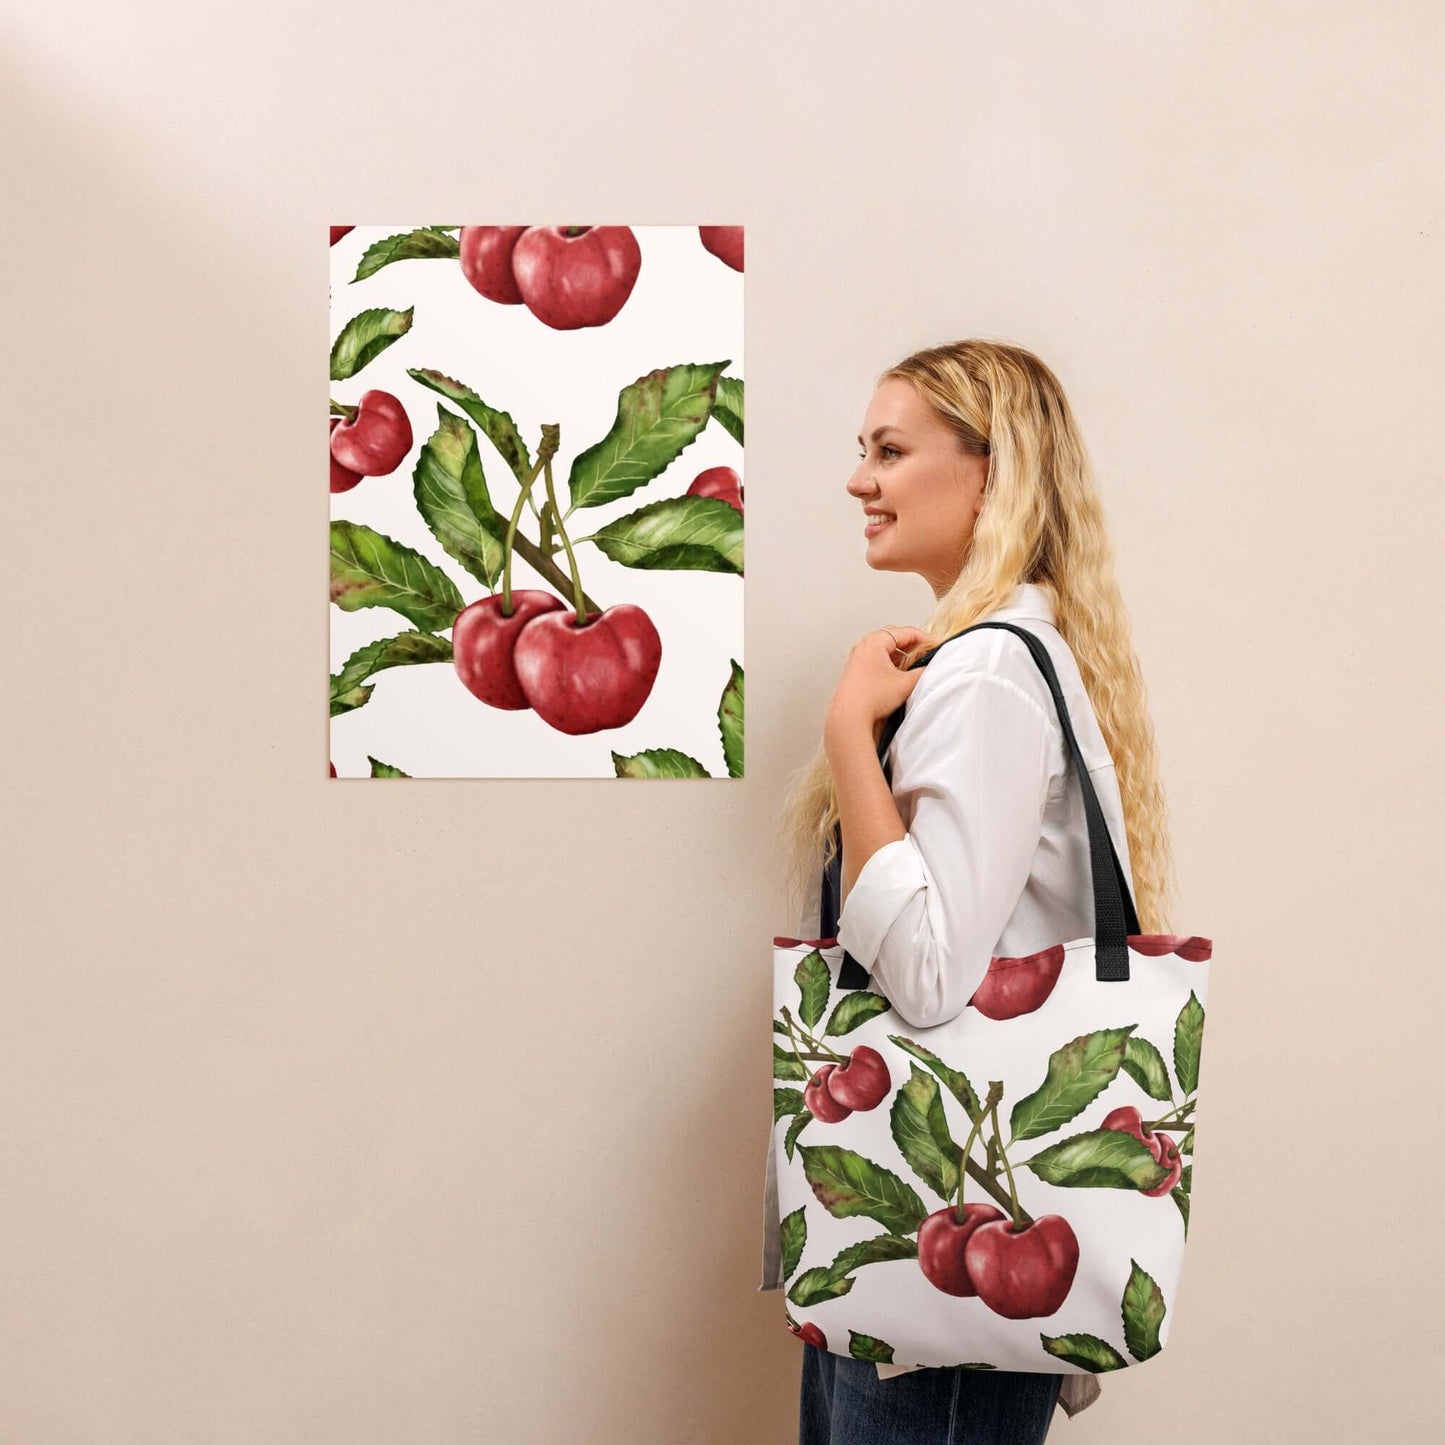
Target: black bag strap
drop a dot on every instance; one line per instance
(1114, 915)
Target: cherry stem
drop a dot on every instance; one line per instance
(337, 409)
(1179, 1113)
(995, 1093)
(551, 434)
(580, 596)
(816, 1043)
(967, 1148)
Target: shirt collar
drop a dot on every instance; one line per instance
(1028, 600)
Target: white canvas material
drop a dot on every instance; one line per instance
(1089, 1050)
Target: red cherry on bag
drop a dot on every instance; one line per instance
(374, 441)
(1022, 1274)
(486, 256)
(810, 1334)
(941, 1240)
(821, 1104)
(583, 679)
(720, 482)
(725, 242)
(1014, 986)
(574, 276)
(862, 1082)
(484, 640)
(1187, 946)
(1128, 1120)
(342, 478)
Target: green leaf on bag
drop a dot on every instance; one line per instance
(1186, 1145)
(1145, 1065)
(1188, 1037)
(658, 416)
(953, 1080)
(787, 1101)
(727, 406)
(920, 1129)
(1186, 1179)
(1077, 1074)
(880, 1249)
(365, 337)
(424, 244)
(1143, 1311)
(800, 1122)
(793, 1233)
(817, 1285)
(847, 1184)
(1182, 1200)
(866, 1347)
(369, 569)
(676, 534)
(787, 1065)
(1089, 1352)
(811, 976)
(1100, 1159)
(853, 1009)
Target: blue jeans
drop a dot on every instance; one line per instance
(844, 1402)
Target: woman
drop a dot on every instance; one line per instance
(973, 475)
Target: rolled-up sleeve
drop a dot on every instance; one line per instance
(974, 758)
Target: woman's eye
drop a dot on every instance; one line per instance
(885, 448)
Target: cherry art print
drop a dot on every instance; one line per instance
(536, 488)
(1038, 1222)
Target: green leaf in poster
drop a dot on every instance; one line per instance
(811, 976)
(955, 1082)
(384, 770)
(793, 1234)
(452, 498)
(676, 534)
(1188, 1037)
(1145, 1065)
(1088, 1352)
(1143, 1310)
(787, 1065)
(1077, 1074)
(787, 1101)
(658, 416)
(853, 1009)
(920, 1129)
(657, 763)
(847, 1184)
(365, 337)
(800, 1122)
(403, 650)
(1100, 1159)
(730, 720)
(369, 569)
(497, 426)
(727, 406)
(1182, 1200)
(424, 244)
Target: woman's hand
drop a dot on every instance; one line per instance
(873, 683)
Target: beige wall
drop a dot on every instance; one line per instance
(355, 1116)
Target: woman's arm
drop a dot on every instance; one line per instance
(868, 816)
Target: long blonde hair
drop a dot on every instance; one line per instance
(1041, 522)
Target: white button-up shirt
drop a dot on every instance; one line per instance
(995, 861)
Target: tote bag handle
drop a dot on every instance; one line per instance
(1114, 915)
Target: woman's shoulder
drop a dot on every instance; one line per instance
(1003, 654)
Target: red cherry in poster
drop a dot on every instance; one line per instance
(1128, 1120)
(1187, 946)
(720, 482)
(483, 641)
(574, 276)
(374, 441)
(821, 1104)
(810, 1334)
(941, 1239)
(1024, 1273)
(725, 242)
(486, 255)
(337, 232)
(862, 1081)
(342, 478)
(1014, 986)
(582, 679)
(333, 769)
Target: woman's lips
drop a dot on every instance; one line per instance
(874, 525)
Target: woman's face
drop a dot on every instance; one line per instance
(910, 467)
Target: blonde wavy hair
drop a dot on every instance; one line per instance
(1041, 522)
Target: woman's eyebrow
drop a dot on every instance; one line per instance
(879, 430)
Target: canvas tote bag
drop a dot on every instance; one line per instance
(1010, 1189)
